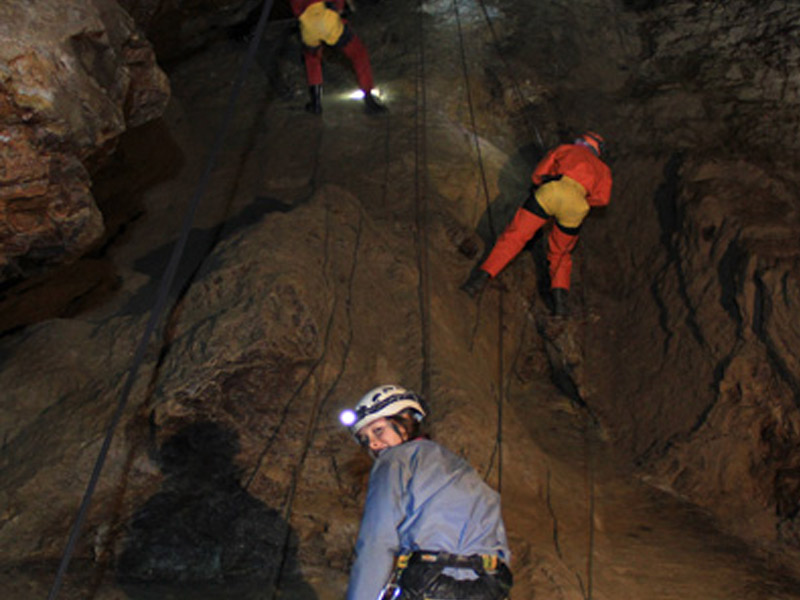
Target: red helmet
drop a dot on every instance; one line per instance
(594, 140)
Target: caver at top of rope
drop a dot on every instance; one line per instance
(567, 182)
(431, 528)
(321, 23)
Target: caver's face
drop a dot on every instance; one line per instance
(380, 434)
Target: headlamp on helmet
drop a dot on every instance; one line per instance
(347, 417)
(380, 402)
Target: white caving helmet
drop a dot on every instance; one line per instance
(382, 401)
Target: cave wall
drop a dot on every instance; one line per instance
(685, 289)
(73, 77)
(177, 28)
(703, 386)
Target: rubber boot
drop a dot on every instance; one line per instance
(372, 106)
(475, 283)
(560, 297)
(315, 105)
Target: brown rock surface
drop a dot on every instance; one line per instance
(73, 77)
(326, 257)
(708, 269)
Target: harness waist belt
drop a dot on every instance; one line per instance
(477, 562)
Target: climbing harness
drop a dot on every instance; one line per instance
(419, 576)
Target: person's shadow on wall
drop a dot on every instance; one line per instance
(203, 536)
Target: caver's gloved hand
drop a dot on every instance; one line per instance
(476, 281)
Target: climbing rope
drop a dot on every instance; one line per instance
(589, 458)
(316, 410)
(497, 449)
(590, 426)
(421, 203)
(319, 404)
(533, 131)
(589, 419)
(160, 303)
(473, 125)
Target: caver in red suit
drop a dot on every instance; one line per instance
(322, 23)
(569, 181)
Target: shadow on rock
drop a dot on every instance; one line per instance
(514, 187)
(143, 157)
(199, 246)
(203, 536)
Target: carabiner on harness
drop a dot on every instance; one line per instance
(391, 591)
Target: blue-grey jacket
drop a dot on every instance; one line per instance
(423, 497)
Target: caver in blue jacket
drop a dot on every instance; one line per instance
(430, 507)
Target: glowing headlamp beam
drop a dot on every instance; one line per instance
(359, 94)
(347, 417)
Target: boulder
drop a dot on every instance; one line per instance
(74, 76)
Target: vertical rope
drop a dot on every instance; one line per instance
(498, 445)
(590, 467)
(160, 303)
(421, 206)
(500, 392)
(533, 131)
(473, 125)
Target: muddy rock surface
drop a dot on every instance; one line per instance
(644, 447)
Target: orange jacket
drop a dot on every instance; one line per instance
(579, 163)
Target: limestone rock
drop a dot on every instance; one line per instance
(73, 77)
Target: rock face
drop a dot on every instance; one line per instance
(738, 278)
(710, 263)
(73, 77)
(328, 260)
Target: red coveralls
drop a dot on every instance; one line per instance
(585, 182)
(349, 43)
